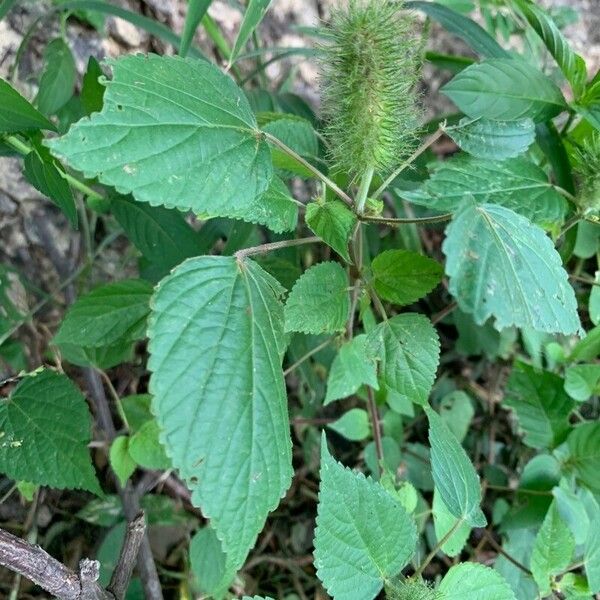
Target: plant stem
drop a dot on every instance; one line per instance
(437, 548)
(277, 142)
(393, 222)
(564, 193)
(244, 252)
(363, 190)
(25, 149)
(498, 548)
(428, 142)
(374, 414)
(306, 356)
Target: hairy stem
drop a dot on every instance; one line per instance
(428, 142)
(375, 424)
(437, 548)
(306, 356)
(277, 142)
(244, 252)
(394, 222)
(363, 190)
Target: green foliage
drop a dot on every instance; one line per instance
(45, 428)
(208, 562)
(17, 114)
(501, 265)
(473, 581)
(369, 73)
(363, 536)
(403, 277)
(353, 425)
(444, 522)
(58, 77)
(333, 222)
(255, 11)
(232, 307)
(583, 444)
(319, 301)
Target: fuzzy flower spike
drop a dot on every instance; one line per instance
(368, 77)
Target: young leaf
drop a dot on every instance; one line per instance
(208, 562)
(582, 381)
(516, 183)
(474, 581)
(319, 301)
(58, 78)
(552, 551)
(351, 368)
(46, 427)
(541, 405)
(363, 536)
(17, 114)
(403, 277)
(200, 125)
(409, 349)
(454, 476)
(145, 447)
(120, 460)
(353, 425)
(444, 521)
(283, 210)
(92, 91)
(584, 454)
(493, 140)
(505, 89)
(216, 346)
(333, 222)
(255, 11)
(501, 265)
(161, 235)
(45, 177)
(571, 64)
(111, 313)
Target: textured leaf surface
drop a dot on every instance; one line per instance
(409, 349)
(17, 114)
(454, 476)
(282, 210)
(443, 521)
(552, 550)
(505, 89)
(584, 454)
(474, 581)
(363, 534)
(45, 428)
(541, 405)
(494, 140)
(208, 562)
(591, 551)
(333, 222)
(516, 183)
(351, 368)
(111, 313)
(57, 82)
(582, 381)
(503, 266)
(195, 149)
(403, 277)
(319, 301)
(216, 346)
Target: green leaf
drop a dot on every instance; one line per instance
(474, 581)
(572, 511)
(454, 476)
(333, 222)
(541, 405)
(582, 381)
(466, 29)
(255, 11)
(519, 545)
(120, 460)
(319, 301)
(17, 114)
(353, 425)
(363, 536)
(493, 140)
(594, 302)
(57, 82)
(45, 428)
(444, 521)
(501, 265)
(403, 277)
(92, 91)
(409, 348)
(456, 409)
(145, 447)
(216, 347)
(583, 458)
(553, 549)
(591, 551)
(587, 348)
(505, 89)
(351, 368)
(161, 235)
(517, 184)
(195, 12)
(283, 209)
(208, 562)
(571, 64)
(111, 313)
(45, 177)
(200, 125)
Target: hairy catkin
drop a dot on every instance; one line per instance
(368, 77)
(410, 590)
